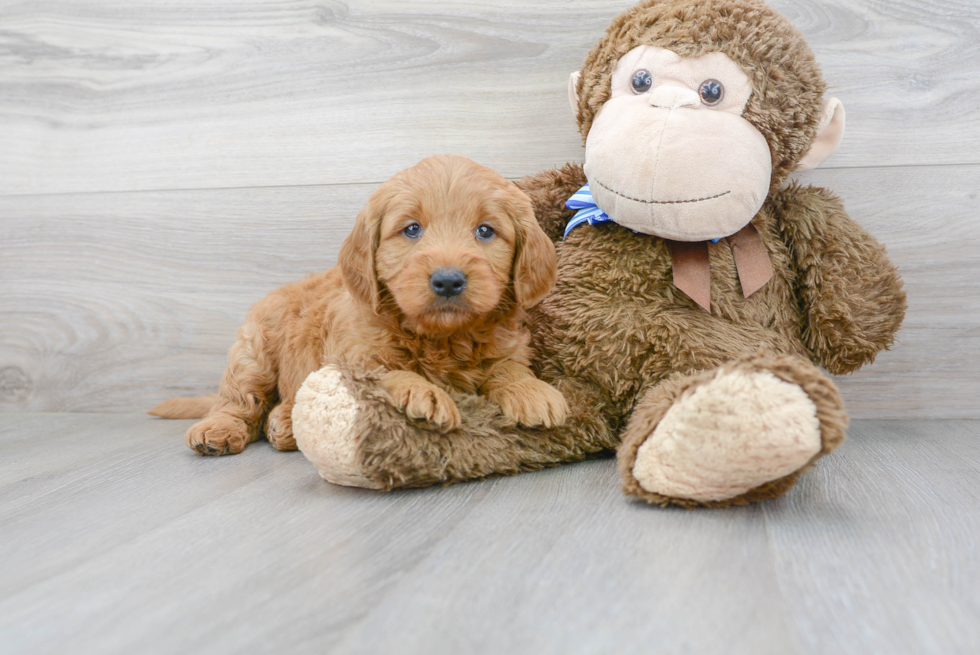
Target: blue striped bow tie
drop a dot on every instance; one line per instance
(588, 211)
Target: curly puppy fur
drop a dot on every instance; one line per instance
(615, 330)
(379, 309)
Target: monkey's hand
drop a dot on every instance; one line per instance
(851, 292)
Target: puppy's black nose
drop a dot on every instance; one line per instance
(448, 282)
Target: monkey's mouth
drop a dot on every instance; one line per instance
(662, 202)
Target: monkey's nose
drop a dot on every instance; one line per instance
(672, 97)
(448, 282)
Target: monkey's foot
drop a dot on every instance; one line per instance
(328, 424)
(738, 434)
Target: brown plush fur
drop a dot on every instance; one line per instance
(619, 340)
(377, 310)
(394, 453)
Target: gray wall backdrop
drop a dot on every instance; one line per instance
(165, 164)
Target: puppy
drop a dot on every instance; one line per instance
(430, 287)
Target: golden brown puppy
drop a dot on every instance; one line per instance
(431, 285)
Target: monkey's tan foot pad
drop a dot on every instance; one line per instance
(732, 436)
(329, 425)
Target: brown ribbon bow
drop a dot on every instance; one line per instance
(692, 271)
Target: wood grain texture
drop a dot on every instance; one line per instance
(112, 96)
(139, 545)
(112, 302)
(99, 290)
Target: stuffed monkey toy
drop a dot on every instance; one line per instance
(698, 290)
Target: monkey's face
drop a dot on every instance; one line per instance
(669, 154)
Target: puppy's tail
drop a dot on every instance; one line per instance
(185, 407)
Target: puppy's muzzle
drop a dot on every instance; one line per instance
(448, 282)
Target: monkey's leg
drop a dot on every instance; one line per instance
(345, 424)
(737, 434)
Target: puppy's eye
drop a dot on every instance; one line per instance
(485, 233)
(642, 81)
(413, 231)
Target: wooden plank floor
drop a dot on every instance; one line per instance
(117, 539)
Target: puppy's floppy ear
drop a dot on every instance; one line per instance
(356, 258)
(535, 261)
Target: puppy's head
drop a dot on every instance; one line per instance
(452, 242)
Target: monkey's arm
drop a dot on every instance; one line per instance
(851, 292)
(548, 191)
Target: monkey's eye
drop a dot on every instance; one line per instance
(642, 81)
(484, 232)
(711, 92)
(413, 231)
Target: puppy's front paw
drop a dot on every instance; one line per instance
(421, 400)
(218, 435)
(531, 403)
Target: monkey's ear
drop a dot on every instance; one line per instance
(573, 92)
(829, 134)
(535, 262)
(356, 258)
